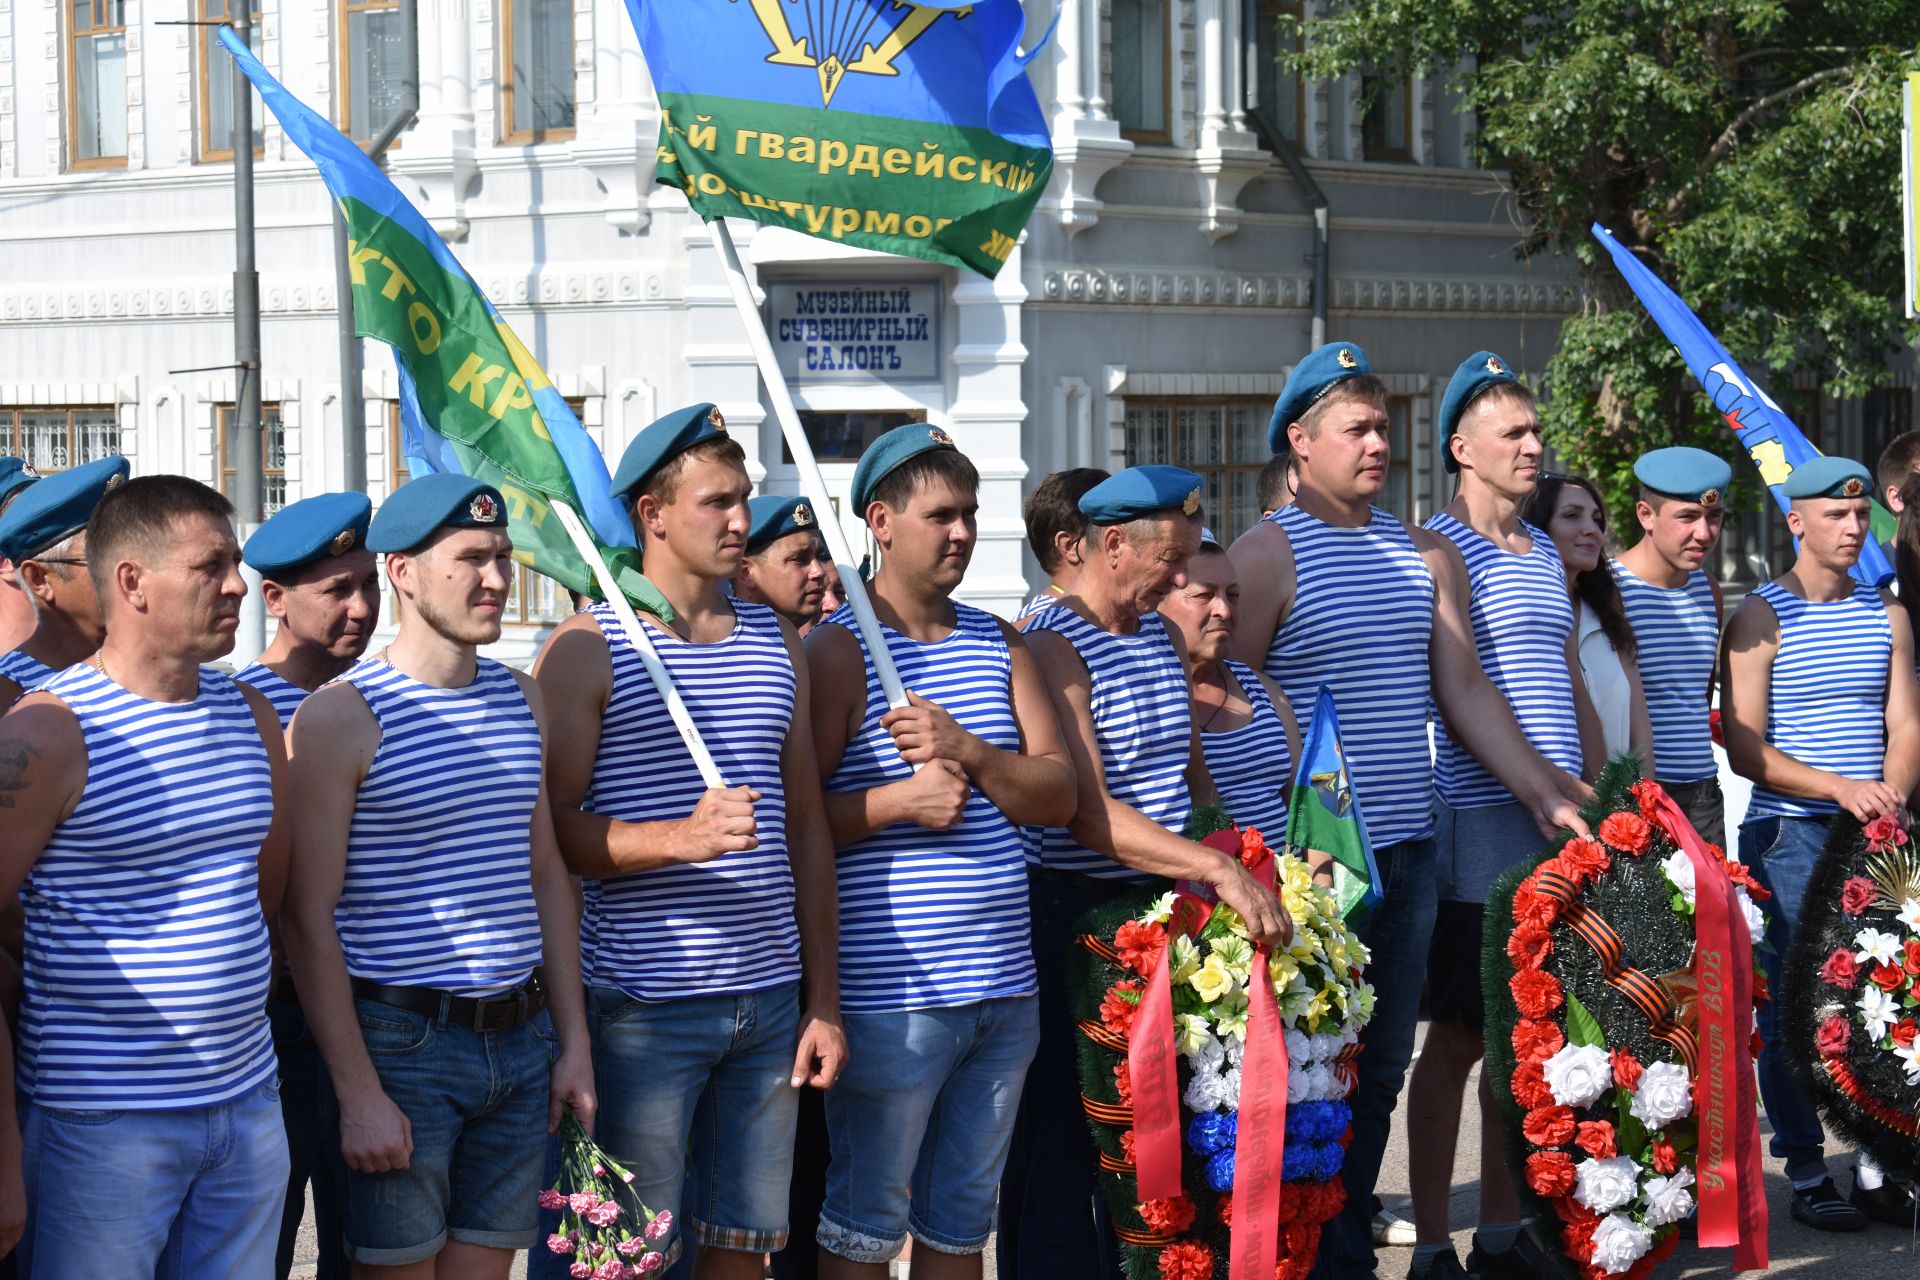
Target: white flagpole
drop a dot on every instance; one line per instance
(637, 637)
(812, 483)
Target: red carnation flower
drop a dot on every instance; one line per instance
(1857, 894)
(1887, 977)
(1530, 1084)
(1626, 1069)
(1536, 1040)
(1123, 1082)
(1549, 1126)
(1140, 946)
(1224, 1207)
(1841, 970)
(1188, 1260)
(1883, 832)
(1169, 1216)
(1595, 1137)
(1627, 832)
(1536, 993)
(1665, 1159)
(1253, 849)
(1529, 946)
(1126, 1146)
(1550, 1173)
(1116, 1010)
(1586, 857)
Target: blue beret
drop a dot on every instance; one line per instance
(888, 452)
(663, 440)
(1318, 373)
(1208, 542)
(316, 528)
(1829, 478)
(58, 506)
(774, 517)
(1476, 373)
(1692, 475)
(15, 475)
(444, 499)
(1142, 491)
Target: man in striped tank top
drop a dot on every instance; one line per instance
(45, 536)
(323, 585)
(711, 912)
(1674, 606)
(1056, 533)
(431, 923)
(784, 565)
(139, 789)
(1118, 678)
(16, 611)
(936, 967)
(1335, 591)
(1509, 574)
(1822, 712)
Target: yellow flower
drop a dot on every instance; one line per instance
(1233, 1022)
(1213, 981)
(1235, 951)
(1317, 1009)
(1282, 968)
(1161, 911)
(1185, 959)
(1190, 1031)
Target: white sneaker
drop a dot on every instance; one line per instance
(1389, 1229)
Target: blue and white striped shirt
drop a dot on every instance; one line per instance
(1045, 598)
(1521, 617)
(146, 954)
(1827, 707)
(1361, 624)
(1677, 633)
(284, 695)
(934, 918)
(439, 885)
(1252, 767)
(1143, 717)
(27, 672)
(710, 928)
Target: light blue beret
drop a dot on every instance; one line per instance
(663, 440)
(1829, 478)
(888, 452)
(1208, 542)
(774, 517)
(15, 475)
(58, 506)
(1318, 373)
(316, 528)
(1691, 475)
(1142, 491)
(1476, 373)
(440, 500)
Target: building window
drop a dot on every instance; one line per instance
(842, 436)
(536, 58)
(1279, 94)
(1223, 441)
(1140, 79)
(372, 70)
(55, 439)
(97, 84)
(1386, 132)
(216, 82)
(1397, 497)
(273, 492)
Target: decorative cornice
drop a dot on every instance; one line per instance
(1351, 295)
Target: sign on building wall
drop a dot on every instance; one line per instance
(878, 330)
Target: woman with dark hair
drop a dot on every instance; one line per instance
(1906, 549)
(1570, 510)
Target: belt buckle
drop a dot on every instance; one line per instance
(500, 1013)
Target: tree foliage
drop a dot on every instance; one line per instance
(1748, 150)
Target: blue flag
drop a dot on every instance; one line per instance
(1324, 812)
(1765, 431)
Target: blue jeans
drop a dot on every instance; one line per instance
(176, 1195)
(920, 1124)
(1398, 933)
(477, 1104)
(1781, 853)
(311, 1144)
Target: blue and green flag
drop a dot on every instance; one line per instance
(1324, 812)
(1769, 436)
(473, 399)
(906, 128)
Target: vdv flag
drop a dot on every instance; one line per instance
(1324, 812)
(473, 399)
(1768, 435)
(907, 128)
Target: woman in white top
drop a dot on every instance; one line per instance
(1569, 509)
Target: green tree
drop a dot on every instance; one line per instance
(1748, 150)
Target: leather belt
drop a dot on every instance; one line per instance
(503, 1012)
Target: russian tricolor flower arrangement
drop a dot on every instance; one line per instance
(1620, 988)
(1215, 1074)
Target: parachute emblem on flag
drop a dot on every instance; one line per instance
(840, 30)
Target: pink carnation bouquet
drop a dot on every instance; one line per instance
(609, 1233)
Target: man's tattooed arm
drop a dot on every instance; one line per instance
(16, 755)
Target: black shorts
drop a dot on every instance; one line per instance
(1453, 965)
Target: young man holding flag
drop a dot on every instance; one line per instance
(936, 969)
(712, 989)
(1337, 592)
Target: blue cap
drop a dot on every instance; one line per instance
(1476, 373)
(1208, 542)
(58, 506)
(441, 500)
(1142, 491)
(1691, 475)
(1829, 478)
(316, 528)
(15, 475)
(774, 517)
(1318, 373)
(663, 440)
(888, 452)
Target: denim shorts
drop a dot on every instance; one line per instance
(920, 1123)
(1474, 847)
(696, 1098)
(477, 1102)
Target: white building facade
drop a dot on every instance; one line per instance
(1161, 293)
